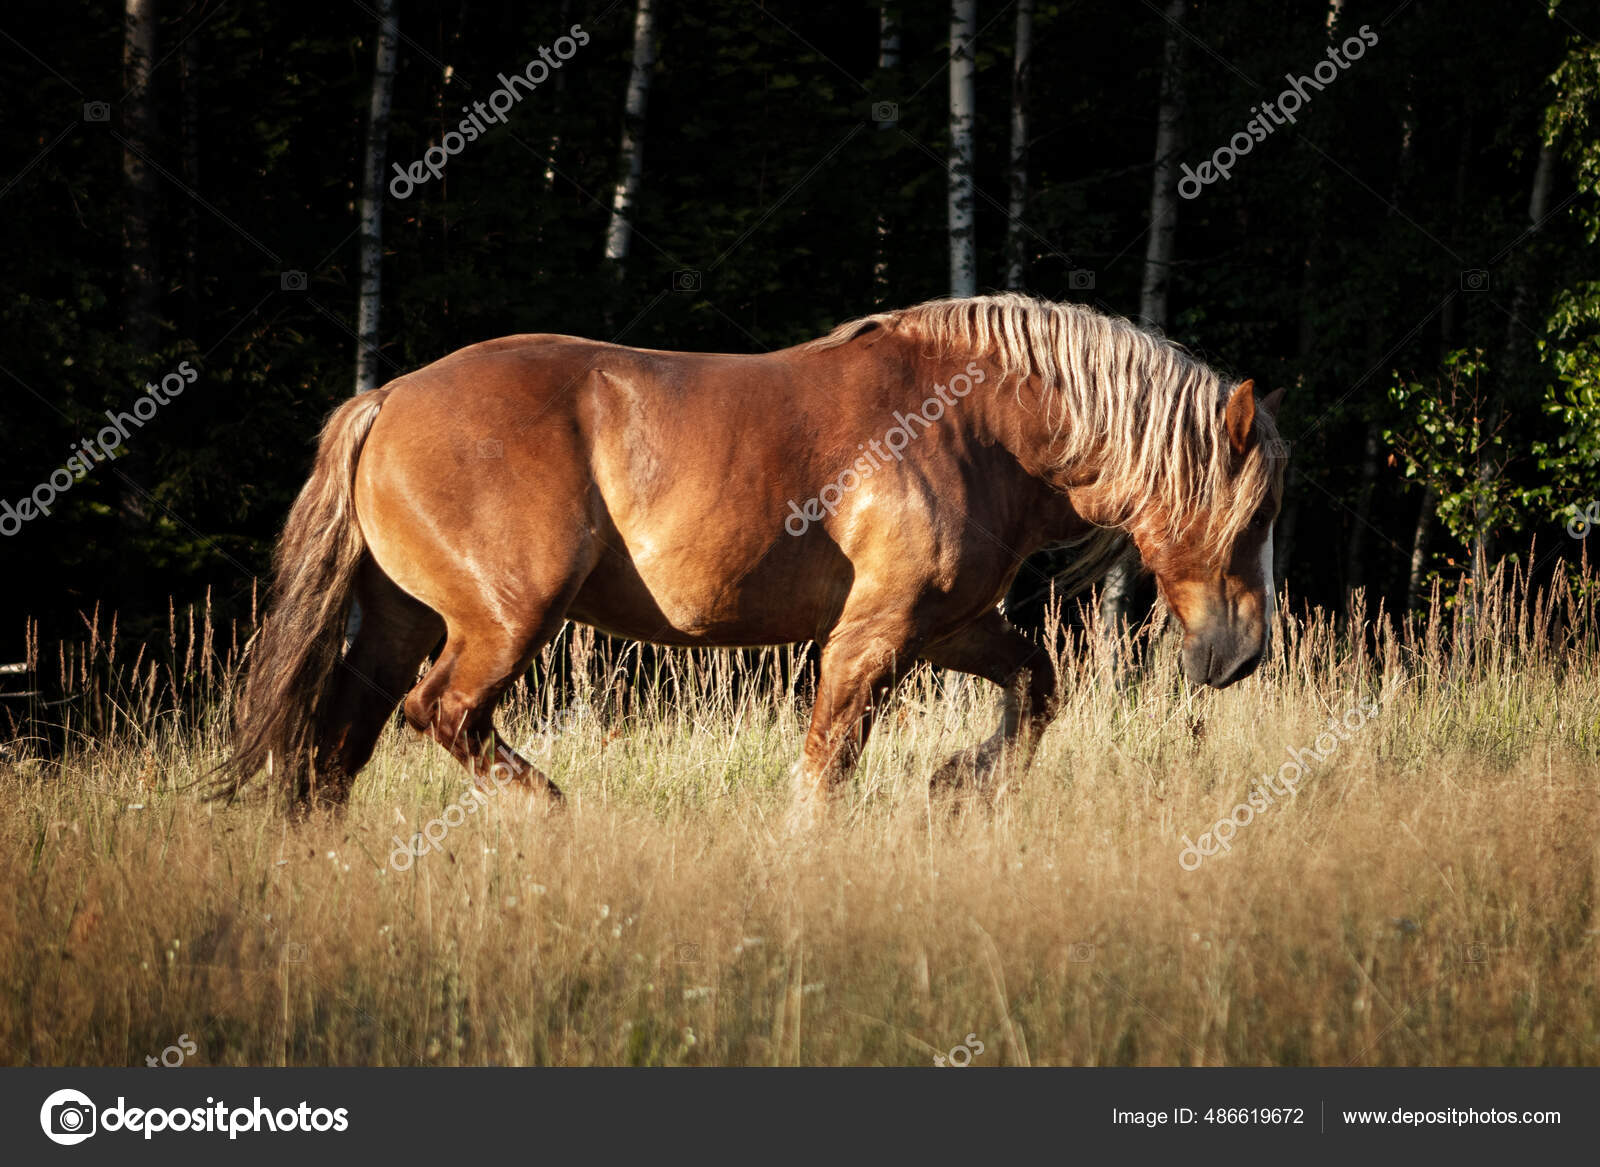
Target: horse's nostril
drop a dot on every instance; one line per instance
(1195, 662)
(1240, 671)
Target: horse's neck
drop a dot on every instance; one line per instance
(1017, 418)
(1023, 428)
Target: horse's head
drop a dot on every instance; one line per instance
(1216, 573)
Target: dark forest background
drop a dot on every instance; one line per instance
(1413, 260)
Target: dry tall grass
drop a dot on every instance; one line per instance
(1427, 898)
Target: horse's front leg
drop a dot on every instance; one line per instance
(860, 664)
(992, 649)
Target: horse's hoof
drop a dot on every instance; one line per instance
(806, 815)
(959, 772)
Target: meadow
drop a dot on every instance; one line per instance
(1426, 895)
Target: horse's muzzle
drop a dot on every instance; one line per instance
(1219, 664)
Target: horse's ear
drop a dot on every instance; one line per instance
(1271, 403)
(1240, 416)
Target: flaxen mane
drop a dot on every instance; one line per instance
(1141, 406)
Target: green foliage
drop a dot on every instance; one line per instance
(1571, 346)
(1571, 459)
(1570, 120)
(1451, 447)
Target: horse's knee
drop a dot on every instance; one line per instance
(441, 714)
(416, 716)
(421, 709)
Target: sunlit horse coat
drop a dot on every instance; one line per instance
(874, 490)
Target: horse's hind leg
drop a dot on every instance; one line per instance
(991, 648)
(454, 704)
(395, 632)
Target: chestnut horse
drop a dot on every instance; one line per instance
(874, 490)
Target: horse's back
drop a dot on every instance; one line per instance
(661, 478)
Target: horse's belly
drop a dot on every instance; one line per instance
(695, 596)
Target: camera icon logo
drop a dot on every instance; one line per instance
(1475, 953)
(292, 281)
(294, 953)
(688, 954)
(686, 281)
(1081, 952)
(491, 448)
(68, 1117)
(1475, 280)
(97, 111)
(885, 113)
(1081, 280)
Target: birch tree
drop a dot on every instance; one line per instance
(1018, 205)
(1160, 247)
(888, 39)
(189, 161)
(963, 104)
(142, 259)
(370, 301)
(139, 124)
(553, 146)
(619, 235)
(888, 60)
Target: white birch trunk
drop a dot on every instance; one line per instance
(370, 302)
(619, 236)
(554, 145)
(139, 107)
(888, 58)
(141, 256)
(1019, 146)
(1117, 593)
(963, 101)
(888, 40)
(1162, 243)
